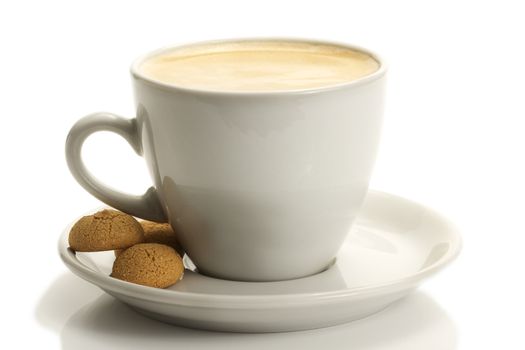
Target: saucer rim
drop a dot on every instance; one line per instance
(208, 300)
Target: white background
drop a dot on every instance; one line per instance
(453, 139)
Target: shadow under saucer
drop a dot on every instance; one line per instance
(87, 318)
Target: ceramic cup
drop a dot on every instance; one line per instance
(259, 186)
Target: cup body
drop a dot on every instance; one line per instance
(260, 186)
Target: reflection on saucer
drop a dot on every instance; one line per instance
(415, 322)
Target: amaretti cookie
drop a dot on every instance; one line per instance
(162, 233)
(149, 264)
(105, 230)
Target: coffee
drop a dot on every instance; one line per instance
(259, 66)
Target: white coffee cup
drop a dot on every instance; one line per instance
(259, 186)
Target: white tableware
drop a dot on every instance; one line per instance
(393, 246)
(246, 177)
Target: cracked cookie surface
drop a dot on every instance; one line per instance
(162, 233)
(149, 264)
(155, 232)
(105, 230)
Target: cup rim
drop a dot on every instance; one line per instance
(137, 75)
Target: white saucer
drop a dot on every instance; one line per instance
(393, 245)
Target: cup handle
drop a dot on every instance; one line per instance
(147, 206)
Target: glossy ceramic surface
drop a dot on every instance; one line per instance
(247, 177)
(393, 246)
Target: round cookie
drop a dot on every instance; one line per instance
(149, 264)
(105, 230)
(161, 233)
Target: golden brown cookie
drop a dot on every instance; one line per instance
(155, 232)
(105, 230)
(149, 264)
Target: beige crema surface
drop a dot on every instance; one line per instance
(259, 66)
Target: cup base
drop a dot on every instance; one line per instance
(189, 265)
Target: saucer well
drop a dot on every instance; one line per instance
(394, 244)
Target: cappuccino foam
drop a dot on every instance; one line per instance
(263, 66)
